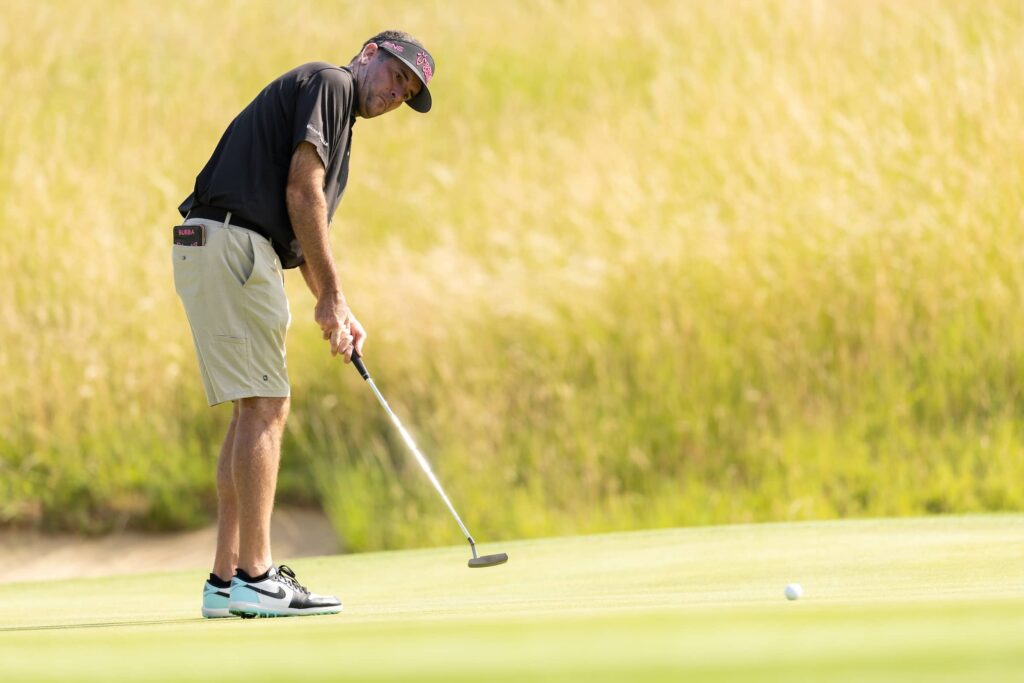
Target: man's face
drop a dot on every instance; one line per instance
(386, 83)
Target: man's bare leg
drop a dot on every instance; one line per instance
(226, 558)
(259, 590)
(255, 458)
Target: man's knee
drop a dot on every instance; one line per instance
(271, 412)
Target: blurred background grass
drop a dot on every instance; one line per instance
(645, 264)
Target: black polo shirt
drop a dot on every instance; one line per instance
(248, 172)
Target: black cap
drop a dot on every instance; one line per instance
(419, 60)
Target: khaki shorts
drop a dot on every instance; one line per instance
(233, 292)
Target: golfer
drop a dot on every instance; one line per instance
(263, 203)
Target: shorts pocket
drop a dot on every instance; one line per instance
(229, 364)
(264, 267)
(241, 257)
(188, 271)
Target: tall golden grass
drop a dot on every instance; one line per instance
(644, 264)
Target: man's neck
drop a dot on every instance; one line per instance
(357, 72)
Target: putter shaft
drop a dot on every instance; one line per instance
(415, 450)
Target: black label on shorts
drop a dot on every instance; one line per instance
(190, 235)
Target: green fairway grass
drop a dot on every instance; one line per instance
(932, 599)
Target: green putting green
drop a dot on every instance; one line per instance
(931, 599)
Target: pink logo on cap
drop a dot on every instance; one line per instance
(393, 46)
(424, 64)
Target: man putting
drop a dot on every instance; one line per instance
(263, 203)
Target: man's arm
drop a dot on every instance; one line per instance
(307, 275)
(307, 209)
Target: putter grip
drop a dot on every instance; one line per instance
(358, 362)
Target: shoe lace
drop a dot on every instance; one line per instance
(288, 576)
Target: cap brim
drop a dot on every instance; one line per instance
(422, 101)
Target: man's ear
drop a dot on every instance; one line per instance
(368, 53)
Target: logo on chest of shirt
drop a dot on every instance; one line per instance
(309, 126)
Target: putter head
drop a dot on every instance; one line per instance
(488, 560)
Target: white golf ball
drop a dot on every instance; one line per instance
(794, 591)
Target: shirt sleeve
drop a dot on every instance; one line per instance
(321, 110)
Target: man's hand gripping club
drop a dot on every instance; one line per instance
(339, 326)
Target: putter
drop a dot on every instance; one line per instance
(475, 561)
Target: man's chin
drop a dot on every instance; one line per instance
(380, 107)
(374, 107)
(367, 111)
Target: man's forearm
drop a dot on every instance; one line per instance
(307, 209)
(307, 275)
